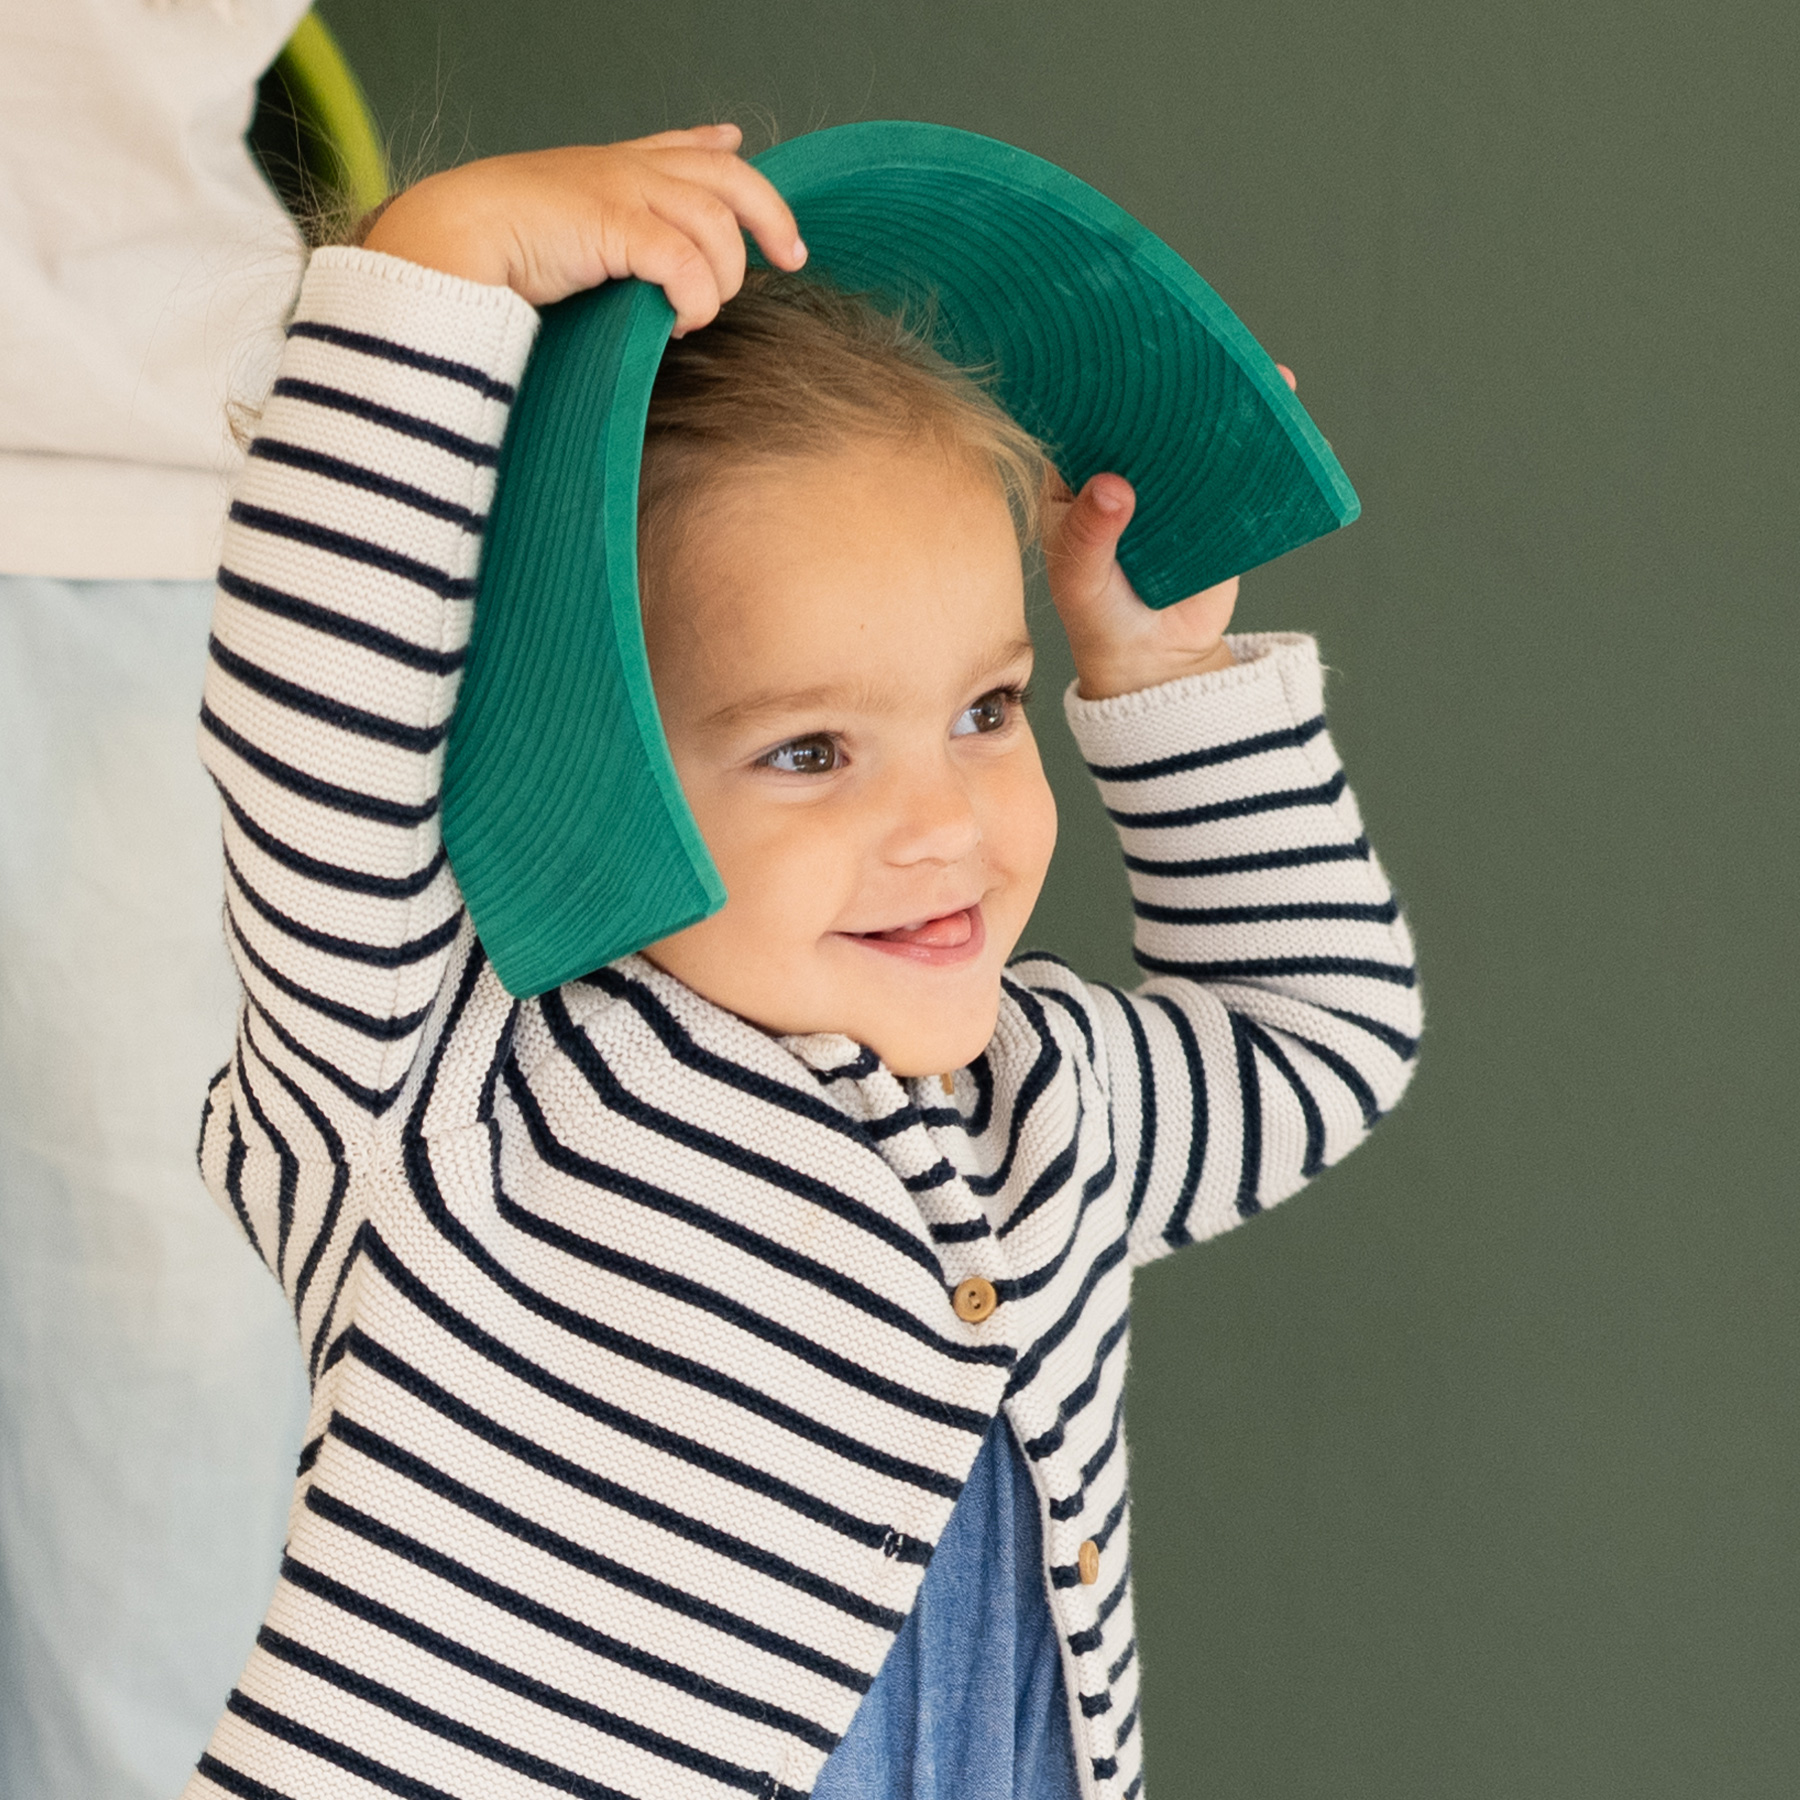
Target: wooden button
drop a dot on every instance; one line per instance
(974, 1299)
(1087, 1562)
(947, 1083)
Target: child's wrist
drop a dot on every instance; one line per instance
(416, 228)
(1103, 677)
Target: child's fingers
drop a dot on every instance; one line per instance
(1080, 551)
(704, 137)
(1088, 536)
(668, 258)
(707, 222)
(751, 196)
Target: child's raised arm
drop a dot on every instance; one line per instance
(345, 601)
(1281, 1014)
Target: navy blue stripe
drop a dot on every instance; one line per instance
(1366, 912)
(1146, 1099)
(206, 1114)
(1026, 1370)
(349, 881)
(892, 1125)
(1108, 1444)
(940, 1174)
(353, 549)
(1114, 1517)
(1093, 1705)
(383, 1030)
(335, 1158)
(315, 1743)
(1105, 1767)
(374, 1100)
(982, 1074)
(1124, 1661)
(1076, 1011)
(289, 1178)
(291, 387)
(310, 704)
(1178, 1229)
(1053, 1177)
(1404, 1047)
(865, 1062)
(1399, 974)
(234, 1781)
(1128, 1724)
(1019, 1287)
(324, 1347)
(968, 1232)
(235, 1154)
(1287, 738)
(1037, 1081)
(545, 1619)
(1314, 1159)
(1302, 857)
(1280, 800)
(338, 625)
(334, 468)
(388, 351)
(1049, 1441)
(309, 787)
(340, 1181)
(1347, 1072)
(1250, 1092)
(379, 956)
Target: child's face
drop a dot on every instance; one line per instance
(838, 658)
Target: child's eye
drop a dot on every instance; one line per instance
(989, 713)
(805, 756)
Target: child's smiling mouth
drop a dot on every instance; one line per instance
(941, 942)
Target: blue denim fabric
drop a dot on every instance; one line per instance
(970, 1702)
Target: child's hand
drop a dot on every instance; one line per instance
(669, 209)
(1120, 644)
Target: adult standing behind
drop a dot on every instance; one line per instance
(151, 1397)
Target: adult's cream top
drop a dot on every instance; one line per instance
(144, 270)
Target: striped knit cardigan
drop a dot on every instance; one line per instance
(639, 1396)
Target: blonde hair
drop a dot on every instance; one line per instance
(791, 368)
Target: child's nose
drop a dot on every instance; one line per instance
(931, 817)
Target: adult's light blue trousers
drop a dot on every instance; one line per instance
(151, 1394)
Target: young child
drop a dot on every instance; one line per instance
(667, 1327)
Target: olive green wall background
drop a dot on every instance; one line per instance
(1474, 1472)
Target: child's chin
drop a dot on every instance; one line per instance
(937, 1047)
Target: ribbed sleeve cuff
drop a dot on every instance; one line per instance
(1276, 681)
(486, 330)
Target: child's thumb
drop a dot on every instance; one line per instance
(1088, 535)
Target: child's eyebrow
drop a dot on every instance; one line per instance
(852, 696)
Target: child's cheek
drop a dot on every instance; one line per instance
(1026, 825)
